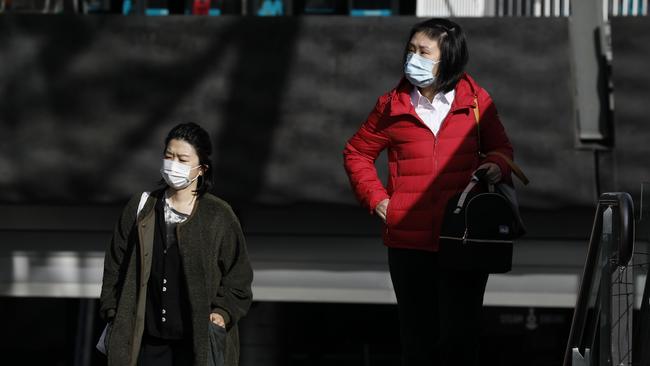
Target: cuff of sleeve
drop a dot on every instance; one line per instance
(110, 314)
(503, 166)
(223, 313)
(375, 198)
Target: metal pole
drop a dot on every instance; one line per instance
(605, 292)
(588, 70)
(84, 338)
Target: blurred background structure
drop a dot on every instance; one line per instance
(89, 88)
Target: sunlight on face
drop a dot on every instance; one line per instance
(426, 47)
(182, 152)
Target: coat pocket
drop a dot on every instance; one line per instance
(218, 335)
(390, 212)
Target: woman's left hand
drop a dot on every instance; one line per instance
(218, 320)
(493, 174)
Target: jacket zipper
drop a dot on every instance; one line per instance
(435, 154)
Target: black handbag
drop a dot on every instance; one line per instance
(479, 226)
(479, 229)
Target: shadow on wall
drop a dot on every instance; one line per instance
(87, 106)
(253, 110)
(85, 102)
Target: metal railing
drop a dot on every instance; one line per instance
(601, 330)
(641, 356)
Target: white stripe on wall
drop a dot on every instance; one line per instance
(443, 8)
(537, 8)
(567, 7)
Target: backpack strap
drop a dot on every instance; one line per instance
(143, 201)
(515, 168)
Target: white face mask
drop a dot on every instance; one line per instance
(419, 70)
(177, 175)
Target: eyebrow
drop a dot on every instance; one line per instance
(171, 152)
(423, 47)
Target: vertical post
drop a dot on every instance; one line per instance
(605, 291)
(641, 339)
(588, 70)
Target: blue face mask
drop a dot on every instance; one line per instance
(419, 70)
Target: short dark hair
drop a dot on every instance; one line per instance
(453, 50)
(199, 138)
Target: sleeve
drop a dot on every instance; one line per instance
(359, 157)
(113, 257)
(493, 136)
(234, 295)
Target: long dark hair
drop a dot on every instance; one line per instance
(199, 138)
(453, 50)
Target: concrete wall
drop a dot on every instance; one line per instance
(85, 102)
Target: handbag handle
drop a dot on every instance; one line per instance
(476, 177)
(515, 168)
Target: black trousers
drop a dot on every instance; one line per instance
(440, 311)
(162, 352)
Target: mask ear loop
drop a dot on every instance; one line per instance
(200, 184)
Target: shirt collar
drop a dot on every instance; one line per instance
(418, 99)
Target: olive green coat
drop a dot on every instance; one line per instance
(216, 267)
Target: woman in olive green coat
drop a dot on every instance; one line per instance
(177, 267)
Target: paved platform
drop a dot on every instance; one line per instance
(330, 256)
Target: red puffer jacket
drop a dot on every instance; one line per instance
(424, 170)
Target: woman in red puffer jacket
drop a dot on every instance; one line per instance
(428, 126)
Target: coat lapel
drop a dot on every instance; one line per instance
(146, 227)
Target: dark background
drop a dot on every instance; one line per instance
(86, 102)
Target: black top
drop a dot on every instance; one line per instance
(167, 314)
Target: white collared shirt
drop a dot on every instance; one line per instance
(432, 113)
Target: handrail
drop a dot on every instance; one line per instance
(618, 256)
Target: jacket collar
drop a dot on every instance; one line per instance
(400, 97)
(158, 195)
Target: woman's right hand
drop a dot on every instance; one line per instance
(382, 209)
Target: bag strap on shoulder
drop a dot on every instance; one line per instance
(515, 168)
(143, 201)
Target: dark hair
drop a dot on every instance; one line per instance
(453, 50)
(199, 138)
